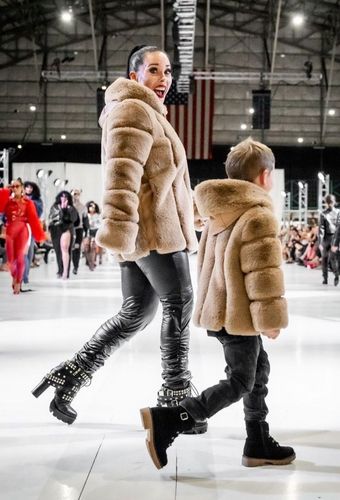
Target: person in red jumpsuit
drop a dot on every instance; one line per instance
(19, 212)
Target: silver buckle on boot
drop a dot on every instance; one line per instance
(184, 416)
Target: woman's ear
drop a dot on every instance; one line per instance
(133, 76)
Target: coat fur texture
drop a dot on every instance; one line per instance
(240, 283)
(147, 201)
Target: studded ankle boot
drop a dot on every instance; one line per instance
(261, 449)
(172, 398)
(163, 426)
(67, 378)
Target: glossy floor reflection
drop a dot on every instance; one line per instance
(102, 456)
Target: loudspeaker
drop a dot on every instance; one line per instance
(100, 102)
(261, 105)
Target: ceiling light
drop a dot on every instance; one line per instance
(298, 20)
(66, 16)
(19, 146)
(282, 56)
(33, 107)
(63, 137)
(40, 173)
(300, 140)
(243, 126)
(251, 111)
(331, 112)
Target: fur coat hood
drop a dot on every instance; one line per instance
(240, 282)
(225, 200)
(147, 203)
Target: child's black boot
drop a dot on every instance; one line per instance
(163, 426)
(261, 449)
(172, 397)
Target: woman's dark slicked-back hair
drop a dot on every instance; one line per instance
(136, 57)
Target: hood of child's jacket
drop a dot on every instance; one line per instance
(122, 89)
(225, 200)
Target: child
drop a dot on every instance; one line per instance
(239, 297)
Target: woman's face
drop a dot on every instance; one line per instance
(28, 189)
(17, 188)
(154, 73)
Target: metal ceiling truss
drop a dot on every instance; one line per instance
(36, 20)
(184, 19)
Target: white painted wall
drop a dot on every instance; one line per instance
(84, 176)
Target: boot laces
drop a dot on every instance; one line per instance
(273, 441)
(172, 439)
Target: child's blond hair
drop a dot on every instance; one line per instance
(248, 159)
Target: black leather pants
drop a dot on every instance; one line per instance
(164, 278)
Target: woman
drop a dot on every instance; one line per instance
(148, 224)
(32, 192)
(90, 247)
(19, 213)
(62, 218)
(80, 228)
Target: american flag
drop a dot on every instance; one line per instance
(192, 118)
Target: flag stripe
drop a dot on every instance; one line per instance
(193, 121)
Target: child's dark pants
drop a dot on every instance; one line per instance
(247, 377)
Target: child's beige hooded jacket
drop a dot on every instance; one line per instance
(240, 283)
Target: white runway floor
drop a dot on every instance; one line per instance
(102, 456)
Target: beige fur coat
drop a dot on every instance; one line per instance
(240, 283)
(147, 202)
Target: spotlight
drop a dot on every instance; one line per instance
(65, 182)
(331, 112)
(104, 86)
(49, 173)
(300, 184)
(40, 173)
(33, 107)
(66, 16)
(321, 176)
(298, 20)
(251, 111)
(63, 137)
(243, 126)
(57, 182)
(283, 194)
(300, 140)
(19, 146)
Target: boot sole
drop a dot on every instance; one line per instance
(257, 462)
(60, 415)
(146, 417)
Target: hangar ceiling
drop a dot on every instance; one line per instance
(243, 45)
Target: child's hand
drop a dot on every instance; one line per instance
(271, 334)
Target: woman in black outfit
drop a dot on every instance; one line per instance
(62, 218)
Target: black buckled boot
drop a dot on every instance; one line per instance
(172, 398)
(163, 426)
(67, 378)
(261, 449)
